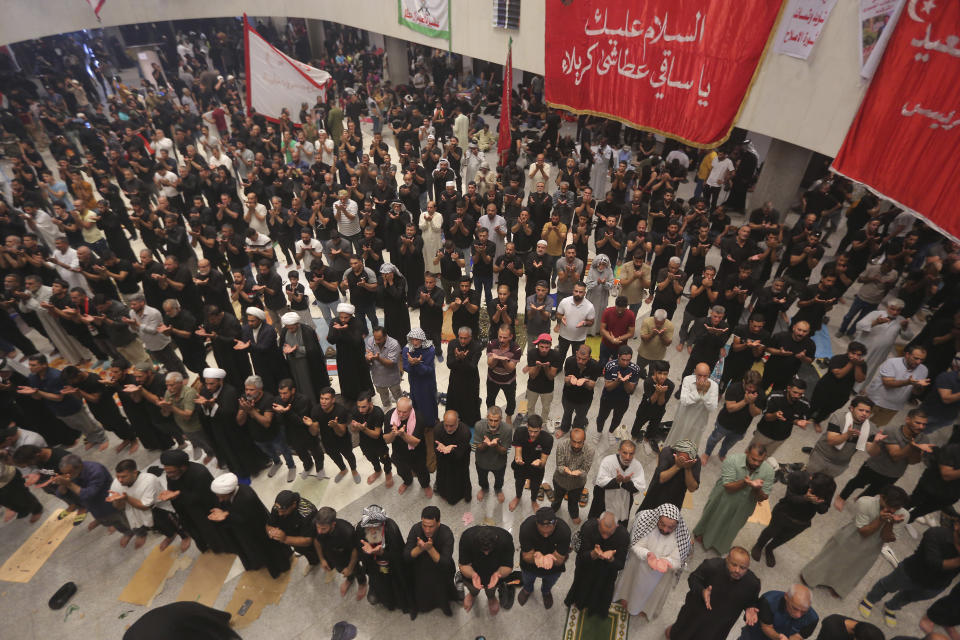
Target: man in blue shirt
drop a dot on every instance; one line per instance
(46, 384)
(88, 483)
(783, 614)
(620, 378)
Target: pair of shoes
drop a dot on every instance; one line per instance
(755, 552)
(889, 618)
(865, 608)
(305, 474)
(771, 559)
(274, 469)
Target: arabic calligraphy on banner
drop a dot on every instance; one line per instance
(429, 17)
(908, 121)
(801, 25)
(678, 67)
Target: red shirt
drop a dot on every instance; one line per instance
(617, 325)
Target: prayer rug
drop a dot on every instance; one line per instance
(761, 514)
(32, 554)
(582, 627)
(149, 579)
(206, 578)
(261, 590)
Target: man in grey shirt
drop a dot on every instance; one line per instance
(569, 270)
(492, 440)
(574, 458)
(538, 309)
(383, 354)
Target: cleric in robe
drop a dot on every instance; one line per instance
(619, 478)
(260, 340)
(429, 554)
(217, 405)
(182, 620)
(243, 518)
(604, 545)
(380, 543)
(452, 441)
(659, 547)
(188, 489)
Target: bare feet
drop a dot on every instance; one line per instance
(666, 632)
(184, 544)
(953, 633)
(577, 521)
(123, 445)
(926, 624)
(559, 433)
(9, 515)
(35, 517)
(501, 497)
(403, 488)
(139, 542)
(680, 347)
(362, 592)
(103, 446)
(207, 459)
(704, 458)
(839, 503)
(481, 494)
(166, 542)
(373, 477)
(535, 505)
(93, 525)
(817, 427)
(87, 446)
(125, 540)
(134, 446)
(493, 605)
(389, 481)
(344, 587)
(513, 504)
(468, 601)
(428, 491)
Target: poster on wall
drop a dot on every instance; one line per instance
(908, 124)
(800, 26)
(666, 66)
(429, 17)
(877, 20)
(275, 81)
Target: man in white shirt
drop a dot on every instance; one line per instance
(308, 250)
(137, 495)
(720, 172)
(168, 184)
(699, 395)
(575, 316)
(255, 214)
(345, 213)
(162, 143)
(146, 320)
(496, 225)
(217, 159)
(538, 171)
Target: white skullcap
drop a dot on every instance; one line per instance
(289, 318)
(256, 312)
(213, 372)
(224, 484)
(346, 307)
(451, 183)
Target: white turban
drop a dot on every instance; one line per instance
(451, 183)
(346, 307)
(224, 484)
(213, 372)
(289, 318)
(256, 312)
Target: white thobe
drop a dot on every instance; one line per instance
(640, 585)
(146, 488)
(619, 501)
(879, 340)
(693, 412)
(432, 240)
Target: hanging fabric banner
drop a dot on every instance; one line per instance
(908, 125)
(429, 17)
(677, 67)
(275, 81)
(504, 139)
(877, 20)
(800, 26)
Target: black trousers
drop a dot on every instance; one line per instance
(573, 500)
(309, 451)
(649, 418)
(340, 449)
(410, 465)
(509, 393)
(922, 502)
(523, 473)
(780, 530)
(17, 497)
(379, 458)
(617, 407)
(866, 477)
(572, 411)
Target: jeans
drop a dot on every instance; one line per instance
(546, 582)
(484, 285)
(328, 310)
(276, 448)
(498, 475)
(858, 309)
(509, 393)
(617, 407)
(906, 590)
(573, 413)
(719, 433)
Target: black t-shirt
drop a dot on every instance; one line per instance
(337, 544)
(323, 418)
(840, 386)
(256, 430)
(780, 429)
(532, 450)
(592, 371)
(328, 275)
(480, 266)
(485, 564)
(650, 388)
(372, 420)
(541, 383)
(699, 305)
(506, 276)
(789, 364)
(462, 317)
(530, 539)
(737, 421)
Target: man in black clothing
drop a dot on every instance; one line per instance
(785, 410)
(807, 495)
(707, 341)
(531, 448)
(404, 430)
(788, 350)
(429, 299)
(465, 305)
(291, 407)
(772, 303)
(580, 374)
(331, 420)
(336, 546)
(429, 551)
(486, 556)
(749, 344)
(657, 389)
(544, 549)
(737, 289)
(367, 421)
(816, 300)
(291, 522)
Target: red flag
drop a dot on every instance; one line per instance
(503, 142)
(907, 126)
(96, 5)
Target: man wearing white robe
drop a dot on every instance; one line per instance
(431, 223)
(699, 395)
(619, 478)
(878, 331)
(659, 546)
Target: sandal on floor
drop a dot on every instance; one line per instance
(584, 498)
(79, 518)
(547, 490)
(541, 492)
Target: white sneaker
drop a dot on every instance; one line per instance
(320, 474)
(274, 469)
(305, 474)
(889, 555)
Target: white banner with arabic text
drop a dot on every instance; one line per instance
(800, 27)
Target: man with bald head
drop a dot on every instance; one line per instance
(721, 590)
(788, 350)
(452, 442)
(603, 552)
(783, 614)
(699, 395)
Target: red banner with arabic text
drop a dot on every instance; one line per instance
(909, 121)
(677, 67)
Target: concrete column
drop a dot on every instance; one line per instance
(466, 64)
(375, 39)
(279, 24)
(398, 71)
(318, 37)
(779, 181)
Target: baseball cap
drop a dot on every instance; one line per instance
(546, 515)
(543, 337)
